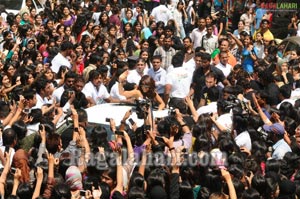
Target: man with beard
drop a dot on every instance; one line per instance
(166, 52)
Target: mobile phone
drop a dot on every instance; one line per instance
(82, 193)
(131, 121)
(119, 133)
(6, 151)
(107, 119)
(147, 127)
(13, 170)
(26, 111)
(159, 139)
(41, 127)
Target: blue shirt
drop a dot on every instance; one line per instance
(248, 62)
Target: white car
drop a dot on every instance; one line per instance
(14, 6)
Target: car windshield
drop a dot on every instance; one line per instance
(12, 4)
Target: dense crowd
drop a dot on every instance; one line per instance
(230, 88)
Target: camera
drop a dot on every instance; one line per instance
(142, 108)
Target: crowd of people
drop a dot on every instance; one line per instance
(232, 91)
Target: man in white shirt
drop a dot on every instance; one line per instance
(223, 65)
(198, 33)
(178, 83)
(223, 121)
(209, 41)
(43, 92)
(68, 84)
(158, 74)
(61, 59)
(135, 75)
(161, 13)
(95, 91)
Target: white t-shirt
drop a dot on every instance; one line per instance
(39, 102)
(98, 95)
(59, 60)
(159, 77)
(180, 79)
(162, 13)
(225, 69)
(114, 92)
(57, 93)
(134, 77)
(196, 37)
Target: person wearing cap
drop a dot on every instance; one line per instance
(276, 133)
(264, 29)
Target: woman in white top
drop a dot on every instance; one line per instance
(180, 16)
(248, 18)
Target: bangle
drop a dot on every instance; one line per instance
(76, 129)
(122, 122)
(172, 148)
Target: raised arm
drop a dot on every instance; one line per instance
(5, 172)
(17, 178)
(38, 185)
(227, 177)
(260, 112)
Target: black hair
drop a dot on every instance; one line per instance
(250, 194)
(213, 93)
(37, 115)
(20, 128)
(66, 45)
(136, 192)
(28, 93)
(24, 190)
(8, 137)
(82, 115)
(40, 84)
(93, 75)
(136, 180)
(61, 191)
(273, 165)
(94, 58)
(70, 74)
(177, 59)
(185, 190)
(99, 137)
